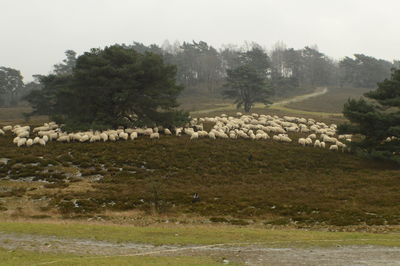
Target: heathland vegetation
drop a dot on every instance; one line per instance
(219, 189)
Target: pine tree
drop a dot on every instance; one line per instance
(111, 87)
(377, 120)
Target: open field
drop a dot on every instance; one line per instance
(15, 114)
(331, 102)
(21, 257)
(282, 184)
(72, 243)
(59, 203)
(206, 234)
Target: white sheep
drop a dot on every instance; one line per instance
(21, 142)
(84, 138)
(178, 132)
(317, 144)
(7, 128)
(155, 135)
(103, 136)
(312, 136)
(29, 142)
(211, 135)
(42, 142)
(167, 131)
(284, 138)
(333, 147)
(302, 141)
(2, 132)
(23, 134)
(124, 135)
(134, 135)
(64, 138)
(112, 137)
(194, 135)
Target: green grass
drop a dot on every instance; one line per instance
(282, 106)
(19, 257)
(200, 234)
(15, 115)
(331, 102)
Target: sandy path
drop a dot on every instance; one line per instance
(318, 92)
(249, 254)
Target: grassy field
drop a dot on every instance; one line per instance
(172, 234)
(15, 115)
(331, 102)
(20, 257)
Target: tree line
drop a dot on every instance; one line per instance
(203, 69)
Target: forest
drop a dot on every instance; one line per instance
(202, 69)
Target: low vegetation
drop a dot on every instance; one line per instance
(331, 102)
(20, 257)
(172, 234)
(281, 183)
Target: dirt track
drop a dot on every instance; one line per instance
(250, 255)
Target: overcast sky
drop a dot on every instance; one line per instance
(35, 33)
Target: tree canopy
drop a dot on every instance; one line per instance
(110, 87)
(246, 86)
(11, 85)
(377, 119)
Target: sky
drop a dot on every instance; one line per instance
(34, 34)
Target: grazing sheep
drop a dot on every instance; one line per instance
(333, 147)
(7, 128)
(167, 131)
(178, 132)
(312, 136)
(103, 137)
(322, 144)
(23, 134)
(112, 137)
(15, 140)
(21, 142)
(94, 138)
(64, 138)
(84, 138)
(155, 135)
(43, 128)
(134, 135)
(194, 135)
(302, 141)
(124, 135)
(285, 138)
(148, 131)
(211, 135)
(42, 142)
(317, 144)
(29, 142)
(2, 132)
(53, 136)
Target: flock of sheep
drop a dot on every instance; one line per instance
(253, 127)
